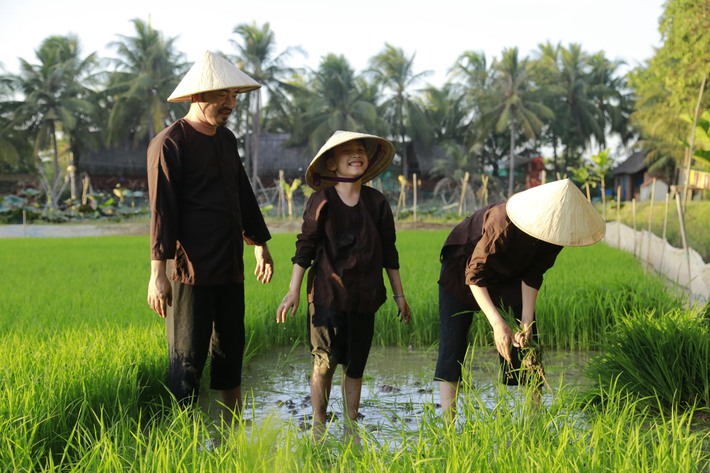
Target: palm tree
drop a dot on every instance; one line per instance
(258, 59)
(334, 98)
(394, 72)
(513, 104)
(446, 110)
(611, 94)
(11, 141)
(545, 72)
(584, 119)
(147, 70)
(56, 107)
(475, 78)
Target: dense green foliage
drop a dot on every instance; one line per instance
(669, 86)
(487, 110)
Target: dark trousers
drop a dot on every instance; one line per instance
(455, 318)
(205, 320)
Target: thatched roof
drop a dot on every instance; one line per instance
(114, 162)
(632, 165)
(275, 155)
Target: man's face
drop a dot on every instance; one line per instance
(217, 105)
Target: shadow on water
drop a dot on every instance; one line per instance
(398, 386)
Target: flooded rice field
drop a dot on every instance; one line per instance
(398, 386)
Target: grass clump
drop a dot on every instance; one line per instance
(663, 358)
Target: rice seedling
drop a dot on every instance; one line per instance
(663, 358)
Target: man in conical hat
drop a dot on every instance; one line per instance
(347, 238)
(494, 261)
(203, 210)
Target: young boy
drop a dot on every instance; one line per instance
(348, 235)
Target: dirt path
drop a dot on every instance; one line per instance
(83, 230)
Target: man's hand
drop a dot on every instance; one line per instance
(160, 293)
(264, 264)
(405, 313)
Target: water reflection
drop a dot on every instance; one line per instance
(398, 386)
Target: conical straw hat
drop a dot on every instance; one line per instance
(557, 213)
(212, 72)
(380, 153)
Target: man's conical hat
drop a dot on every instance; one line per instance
(558, 213)
(212, 72)
(380, 153)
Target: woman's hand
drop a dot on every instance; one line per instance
(523, 335)
(503, 336)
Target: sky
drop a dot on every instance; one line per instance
(436, 32)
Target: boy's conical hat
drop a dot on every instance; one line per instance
(380, 153)
(557, 213)
(212, 72)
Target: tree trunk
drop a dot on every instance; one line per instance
(511, 169)
(257, 141)
(405, 161)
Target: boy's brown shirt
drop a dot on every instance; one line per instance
(348, 248)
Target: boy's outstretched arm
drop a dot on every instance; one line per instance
(291, 299)
(405, 313)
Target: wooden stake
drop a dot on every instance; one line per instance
(280, 207)
(603, 199)
(681, 220)
(462, 200)
(633, 212)
(650, 219)
(618, 217)
(414, 193)
(665, 226)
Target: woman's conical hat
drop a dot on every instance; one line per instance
(380, 153)
(212, 72)
(557, 213)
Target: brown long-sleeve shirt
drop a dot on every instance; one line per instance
(487, 250)
(348, 248)
(202, 205)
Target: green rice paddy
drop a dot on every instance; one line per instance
(83, 360)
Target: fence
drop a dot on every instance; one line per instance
(682, 267)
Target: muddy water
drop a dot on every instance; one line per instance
(398, 385)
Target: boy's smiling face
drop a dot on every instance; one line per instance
(348, 159)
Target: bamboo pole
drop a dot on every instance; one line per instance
(633, 213)
(464, 186)
(484, 184)
(665, 226)
(280, 207)
(681, 220)
(618, 217)
(650, 220)
(603, 190)
(402, 201)
(414, 193)
(589, 197)
(689, 159)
